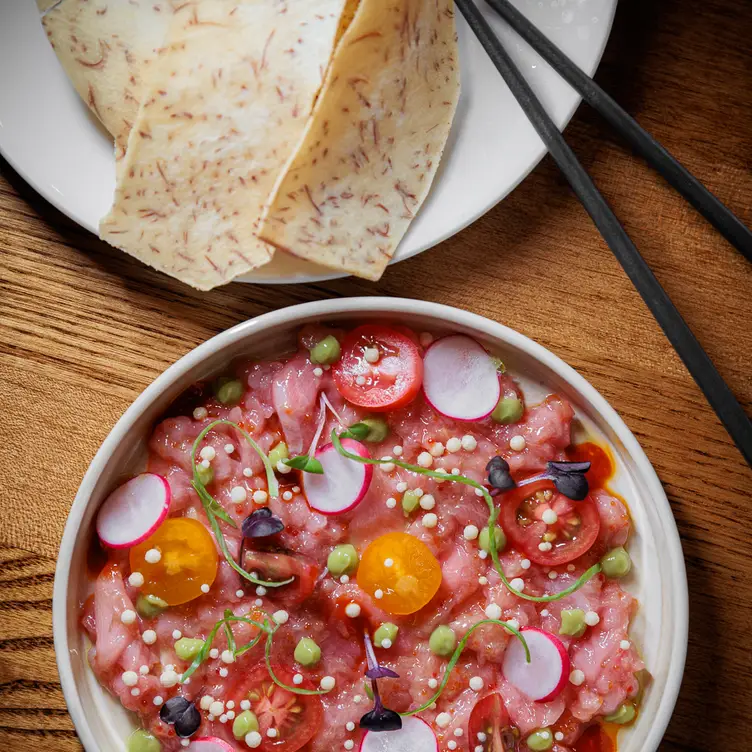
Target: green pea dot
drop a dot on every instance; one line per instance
(540, 740)
(149, 606)
(307, 652)
(410, 501)
(442, 642)
(625, 714)
(484, 539)
(244, 723)
(378, 429)
(342, 560)
(143, 741)
(616, 563)
(278, 453)
(386, 631)
(188, 648)
(508, 410)
(205, 474)
(326, 351)
(573, 622)
(229, 391)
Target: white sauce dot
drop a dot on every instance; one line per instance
(260, 497)
(425, 459)
(371, 354)
(476, 683)
(327, 683)
(272, 733)
(427, 501)
(386, 643)
(247, 472)
(130, 678)
(388, 563)
(433, 683)
(246, 704)
(360, 380)
(379, 594)
(469, 443)
(592, 618)
(297, 679)
(525, 563)
(454, 445)
(136, 579)
(625, 644)
(227, 656)
(577, 677)
(401, 487)
(158, 700)
(281, 616)
(205, 588)
(238, 494)
(518, 584)
(239, 593)
(253, 739)
(493, 611)
(436, 449)
(352, 610)
(229, 448)
(391, 502)
(344, 579)
(208, 453)
(517, 443)
(200, 413)
(350, 726)
(443, 720)
(470, 532)
(430, 520)
(149, 637)
(318, 371)
(128, 616)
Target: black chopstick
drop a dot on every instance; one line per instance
(719, 215)
(696, 360)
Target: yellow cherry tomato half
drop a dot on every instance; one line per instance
(187, 560)
(403, 569)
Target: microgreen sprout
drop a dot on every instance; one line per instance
(380, 718)
(262, 523)
(493, 517)
(568, 477)
(458, 652)
(265, 627)
(214, 510)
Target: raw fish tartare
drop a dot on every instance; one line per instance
(373, 543)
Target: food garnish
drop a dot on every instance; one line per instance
(342, 485)
(134, 511)
(214, 510)
(541, 671)
(415, 735)
(568, 477)
(400, 572)
(178, 563)
(182, 714)
(460, 379)
(380, 718)
(262, 523)
(493, 517)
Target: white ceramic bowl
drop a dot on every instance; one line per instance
(658, 581)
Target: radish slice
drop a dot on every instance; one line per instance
(344, 482)
(132, 512)
(414, 736)
(548, 671)
(460, 378)
(210, 744)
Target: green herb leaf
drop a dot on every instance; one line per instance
(305, 463)
(356, 431)
(493, 516)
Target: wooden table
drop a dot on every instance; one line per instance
(85, 329)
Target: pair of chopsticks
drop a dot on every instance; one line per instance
(687, 346)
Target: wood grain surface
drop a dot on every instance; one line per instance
(84, 329)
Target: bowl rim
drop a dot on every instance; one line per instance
(369, 305)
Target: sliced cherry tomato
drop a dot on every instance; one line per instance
(572, 535)
(188, 560)
(392, 381)
(490, 719)
(403, 568)
(296, 718)
(276, 566)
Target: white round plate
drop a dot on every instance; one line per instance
(49, 137)
(658, 579)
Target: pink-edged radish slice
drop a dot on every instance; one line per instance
(132, 512)
(460, 378)
(344, 482)
(210, 744)
(548, 671)
(414, 736)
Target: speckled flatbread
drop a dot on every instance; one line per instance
(226, 103)
(375, 139)
(107, 47)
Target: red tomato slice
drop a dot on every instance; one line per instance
(490, 719)
(570, 537)
(296, 718)
(392, 381)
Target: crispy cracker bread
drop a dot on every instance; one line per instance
(224, 108)
(374, 142)
(107, 47)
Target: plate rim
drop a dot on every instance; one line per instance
(679, 599)
(478, 210)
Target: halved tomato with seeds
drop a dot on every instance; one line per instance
(523, 516)
(490, 726)
(296, 718)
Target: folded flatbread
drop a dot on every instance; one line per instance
(107, 47)
(375, 139)
(223, 109)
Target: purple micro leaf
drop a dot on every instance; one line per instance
(261, 524)
(381, 672)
